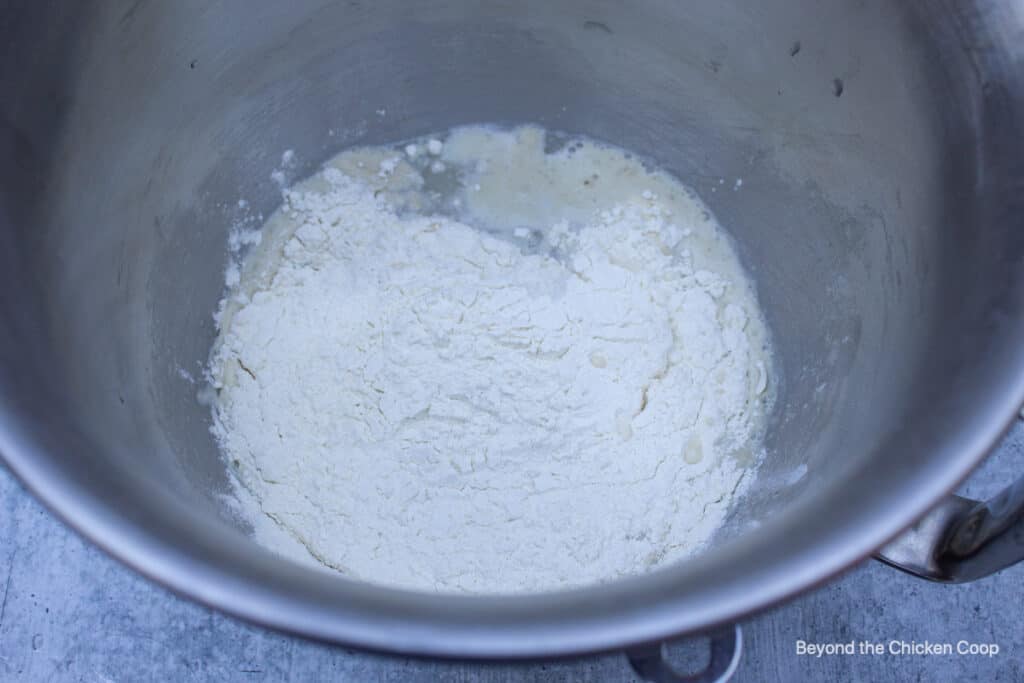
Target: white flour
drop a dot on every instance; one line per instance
(575, 397)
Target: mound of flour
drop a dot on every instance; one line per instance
(418, 403)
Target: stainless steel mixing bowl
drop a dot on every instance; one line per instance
(881, 147)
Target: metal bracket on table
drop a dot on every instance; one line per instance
(651, 664)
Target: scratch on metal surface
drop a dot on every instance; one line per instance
(7, 586)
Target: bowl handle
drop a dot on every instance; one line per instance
(650, 664)
(962, 539)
